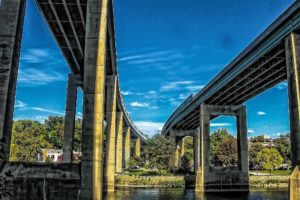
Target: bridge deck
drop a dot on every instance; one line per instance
(258, 68)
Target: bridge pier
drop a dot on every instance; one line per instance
(119, 144)
(93, 103)
(111, 101)
(137, 147)
(127, 147)
(73, 82)
(11, 22)
(292, 47)
(211, 179)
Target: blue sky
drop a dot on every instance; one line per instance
(166, 51)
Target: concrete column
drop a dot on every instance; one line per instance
(197, 148)
(137, 147)
(93, 103)
(177, 157)
(70, 119)
(182, 148)
(111, 102)
(204, 140)
(242, 142)
(127, 146)
(119, 145)
(11, 22)
(292, 47)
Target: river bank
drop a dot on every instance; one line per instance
(255, 182)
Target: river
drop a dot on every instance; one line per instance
(189, 194)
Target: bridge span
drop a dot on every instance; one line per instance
(85, 33)
(273, 57)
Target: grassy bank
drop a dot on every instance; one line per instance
(170, 181)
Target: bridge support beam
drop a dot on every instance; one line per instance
(292, 47)
(93, 103)
(69, 125)
(11, 23)
(119, 145)
(111, 102)
(212, 179)
(137, 147)
(127, 147)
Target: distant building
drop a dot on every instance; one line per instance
(56, 156)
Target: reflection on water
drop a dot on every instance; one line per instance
(189, 194)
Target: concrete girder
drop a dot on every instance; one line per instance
(251, 72)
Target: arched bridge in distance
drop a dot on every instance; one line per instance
(85, 33)
(273, 57)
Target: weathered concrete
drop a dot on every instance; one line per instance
(27, 181)
(294, 184)
(119, 143)
(127, 146)
(137, 148)
(11, 22)
(73, 82)
(93, 104)
(293, 70)
(292, 47)
(111, 101)
(177, 157)
(213, 179)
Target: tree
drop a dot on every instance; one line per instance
(77, 135)
(219, 151)
(228, 152)
(254, 148)
(270, 159)
(54, 127)
(188, 157)
(28, 140)
(160, 151)
(283, 145)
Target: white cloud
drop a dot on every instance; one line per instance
(219, 124)
(260, 113)
(138, 104)
(46, 110)
(79, 115)
(282, 85)
(35, 55)
(126, 93)
(175, 85)
(143, 105)
(251, 130)
(33, 77)
(149, 128)
(20, 104)
(152, 92)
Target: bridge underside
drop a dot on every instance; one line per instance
(263, 74)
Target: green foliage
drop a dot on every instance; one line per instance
(54, 127)
(283, 145)
(254, 148)
(30, 137)
(77, 135)
(161, 152)
(223, 148)
(269, 158)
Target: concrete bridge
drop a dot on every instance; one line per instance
(273, 57)
(85, 33)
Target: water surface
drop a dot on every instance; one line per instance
(189, 194)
